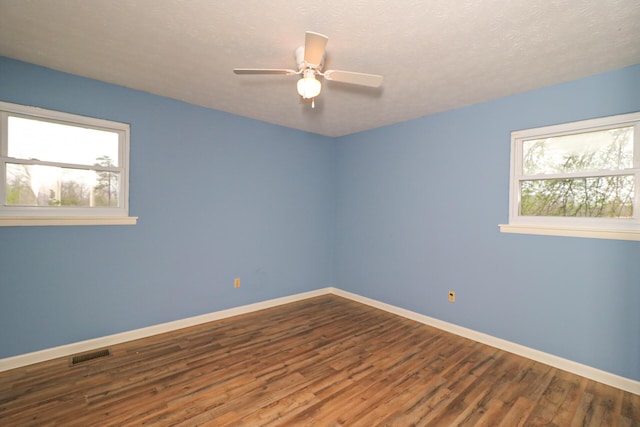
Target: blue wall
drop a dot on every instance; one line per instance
(218, 196)
(419, 205)
(401, 214)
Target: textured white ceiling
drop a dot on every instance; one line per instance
(435, 55)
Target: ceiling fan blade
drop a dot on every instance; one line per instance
(362, 79)
(314, 44)
(264, 71)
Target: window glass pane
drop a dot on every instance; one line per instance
(594, 197)
(33, 185)
(585, 152)
(56, 142)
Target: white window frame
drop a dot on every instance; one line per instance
(59, 215)
(603, 228)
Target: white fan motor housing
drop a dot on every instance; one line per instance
(302, 64)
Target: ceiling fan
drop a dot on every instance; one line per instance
(310, 62)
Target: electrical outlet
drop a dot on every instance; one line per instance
(452, 296)
(236, 282)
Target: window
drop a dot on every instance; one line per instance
(62, 169)
(577, 179)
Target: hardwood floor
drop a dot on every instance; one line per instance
(325, 361)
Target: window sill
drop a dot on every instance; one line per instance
(18, 221)
(594, 233)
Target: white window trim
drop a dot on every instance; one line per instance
(19, 221)
(38, 216)
(599, 228)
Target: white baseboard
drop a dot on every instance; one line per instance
(109, 340)
(604, 377)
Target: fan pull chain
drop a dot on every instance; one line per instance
(313, 103)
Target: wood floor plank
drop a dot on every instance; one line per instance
(518, 414)
(631, 406)
(325, 361)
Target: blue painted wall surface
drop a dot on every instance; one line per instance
(419, 205)
(218, 196)
(401, 214)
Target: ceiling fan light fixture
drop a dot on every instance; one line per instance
(308, 86)
(310, 64)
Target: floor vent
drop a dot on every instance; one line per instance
(89, 356)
